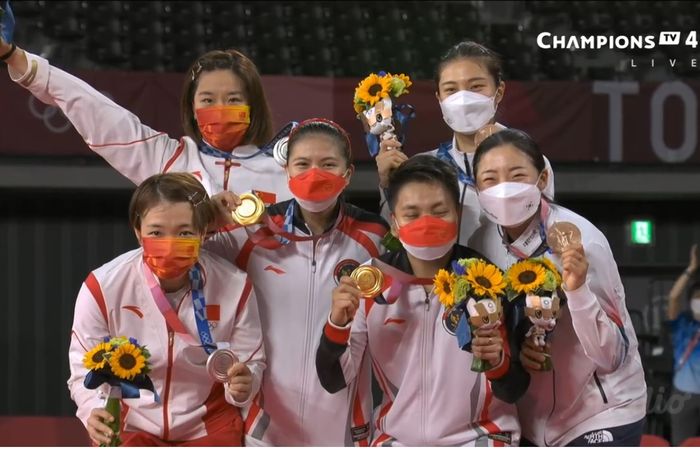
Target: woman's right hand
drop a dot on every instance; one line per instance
(389, 158)
(346, 301)
(97, 427)
(225, 202)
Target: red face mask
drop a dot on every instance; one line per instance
(224, 127)
(428, 231)
(170, 257)
(316, 185)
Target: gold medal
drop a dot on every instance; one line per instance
(562, 236)
(369, 279)
(249, 211)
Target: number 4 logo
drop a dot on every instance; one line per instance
(692, 39)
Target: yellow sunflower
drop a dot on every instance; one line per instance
(127, 361)
(444, 287)
(373, 88)
(526, 276)
(94, 360)
(359, 108)
(485, 279)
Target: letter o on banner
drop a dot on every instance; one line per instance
(690, 125)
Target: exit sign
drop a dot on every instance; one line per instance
(641, 232)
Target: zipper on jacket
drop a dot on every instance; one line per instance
(166, 395)
(600, 387)
(308, 338)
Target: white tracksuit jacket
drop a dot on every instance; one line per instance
(137, 151)
(597, 380)
(430, 395)
(294, 285)
(115, 300)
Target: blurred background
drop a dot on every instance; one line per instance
(621, 135)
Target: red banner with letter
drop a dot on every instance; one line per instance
(619, 122)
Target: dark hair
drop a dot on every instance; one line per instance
(323, 126)
(172, 187)
(260, 129)
(425, 169)
(472, 50)
(518, 139)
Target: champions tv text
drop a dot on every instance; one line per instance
(549, 41)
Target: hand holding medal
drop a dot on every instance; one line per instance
(564, 239)
(369, 280)
(250, 210)
(245, 210)
(345, 301)
(223, 366)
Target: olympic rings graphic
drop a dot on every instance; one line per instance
(53, 118)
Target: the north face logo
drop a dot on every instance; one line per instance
(598, 437)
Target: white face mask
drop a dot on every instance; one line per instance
(695, 307)
(429, 253)
(466, 112)
(510, 203)
(316, 207)
(425, 252)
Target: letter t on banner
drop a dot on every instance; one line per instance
(615, 91)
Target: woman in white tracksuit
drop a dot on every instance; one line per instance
(153, 294)
(596, 393)
(429, 396)
(469, 87)
(224, 112)
(325, 238)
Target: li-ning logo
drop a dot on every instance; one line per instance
(598, 437)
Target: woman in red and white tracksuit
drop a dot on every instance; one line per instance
(430, 397)
(469, 87)
(595, 394)
(170, 214)
(225, 117)
(325, 239)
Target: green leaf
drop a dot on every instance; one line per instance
(511, 295)
(391, 243)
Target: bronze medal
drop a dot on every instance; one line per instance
(563, 236)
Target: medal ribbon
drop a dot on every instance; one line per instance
(198, 303)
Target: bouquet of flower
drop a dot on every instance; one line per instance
(538, 279)
(471, 293)
(123, 364)
(375, 108)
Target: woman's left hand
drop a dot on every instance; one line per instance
(575, 267)
(488, 345)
